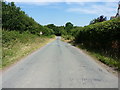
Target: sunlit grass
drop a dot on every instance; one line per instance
(112, 62)
(19, 47)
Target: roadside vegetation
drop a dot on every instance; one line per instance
(20, 34)
(16, 45)
(101, 39)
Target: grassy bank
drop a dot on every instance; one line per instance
(98, 55)
(16, 45)
(0, 47)
(111, 62)
(100, 40)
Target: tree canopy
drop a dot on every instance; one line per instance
(99, 19)
(13, 18)
(68, 26)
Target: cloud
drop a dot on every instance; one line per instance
(62, 0)
(35, 3)
(107, 9)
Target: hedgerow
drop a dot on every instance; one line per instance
(103, 37)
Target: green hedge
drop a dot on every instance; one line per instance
(104, 36)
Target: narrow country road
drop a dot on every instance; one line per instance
(58, 65)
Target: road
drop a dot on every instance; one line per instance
(58, 65)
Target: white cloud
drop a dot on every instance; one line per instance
(108, 9)
(36, 3)
(62, 0)
(78, 3)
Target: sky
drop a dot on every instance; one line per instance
(59, 13)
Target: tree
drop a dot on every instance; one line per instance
(55, 29)
(13, 18)
(68, 26)
(102, 18)
(99, 19)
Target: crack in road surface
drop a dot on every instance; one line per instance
(58, 65)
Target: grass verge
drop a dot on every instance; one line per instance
(111, 62)
(16, 46)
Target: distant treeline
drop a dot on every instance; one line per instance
(13, 18)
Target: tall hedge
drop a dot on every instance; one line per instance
(103, 36)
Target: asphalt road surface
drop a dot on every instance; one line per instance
(58, 65)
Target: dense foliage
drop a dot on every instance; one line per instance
(16, 45)
(20, 29)
(62, 30)
(20, 34)
(68, 26)
(56, 29)
(103, 37)
(13, 18)
(99, 19)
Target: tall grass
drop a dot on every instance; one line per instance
(16, 45)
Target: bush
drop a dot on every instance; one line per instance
(101, 37)
(16, 45)
(104, 35)
(68, 37)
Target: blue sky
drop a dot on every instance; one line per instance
(58, 13)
